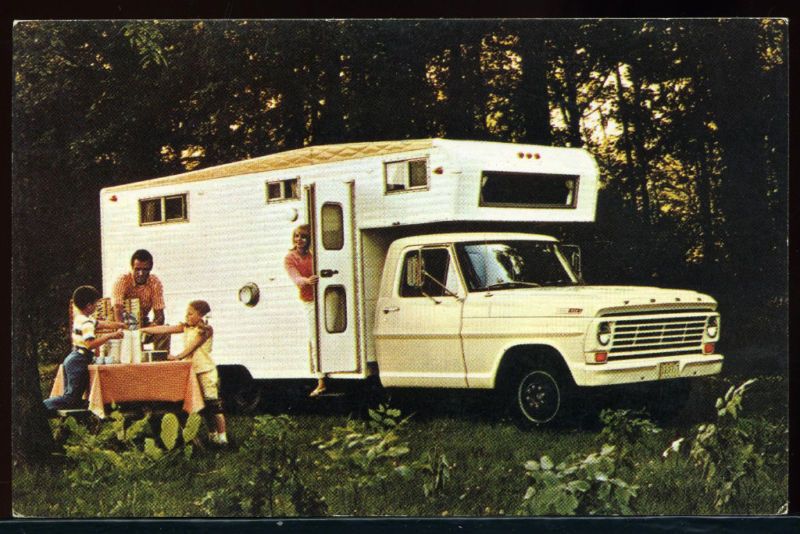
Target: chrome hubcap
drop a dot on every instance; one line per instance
(539, 397)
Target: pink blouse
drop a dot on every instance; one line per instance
(299, 269)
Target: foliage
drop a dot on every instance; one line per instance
(484, 478)
(273, 474)
(435, 470)
(726, 451)
(366, 455)
(577, 486)
(119, 455)
(623, 429)
(147, 40)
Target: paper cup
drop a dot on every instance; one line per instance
(114, 347)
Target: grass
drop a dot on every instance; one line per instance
(487, 454)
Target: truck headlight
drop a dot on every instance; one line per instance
(712, 327)
(604, 333)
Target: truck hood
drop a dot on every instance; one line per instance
(590, 301)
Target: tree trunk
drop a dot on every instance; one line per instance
(643, 167)
(31, 440)
(706, 218)
(532, 98)
(571, 102)
(630, 182)
(328, 124)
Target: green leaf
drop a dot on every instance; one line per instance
(394, 452)
(404, 471)
(152, 450)
(192, 427)
(579, 485)
(546, 463)
(137, 428)
(532, 465)
(169, 430)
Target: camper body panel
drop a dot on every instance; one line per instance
(232, 236)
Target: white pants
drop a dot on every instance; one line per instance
(311, 328)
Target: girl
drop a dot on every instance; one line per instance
(299, 264)
(197, 335)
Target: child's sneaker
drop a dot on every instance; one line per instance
(221, 439)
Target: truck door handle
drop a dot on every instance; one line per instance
(390, 309)
(327, 273)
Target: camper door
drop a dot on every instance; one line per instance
(331, 207)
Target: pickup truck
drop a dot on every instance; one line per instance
(510, 312)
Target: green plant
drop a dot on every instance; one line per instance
(367, 454)
(435, 470)
(584, 486)
(726, 450)
(274, 475)
(623, 429)
(117, 455)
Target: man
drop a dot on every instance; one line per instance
(139, 283)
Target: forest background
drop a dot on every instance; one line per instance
(688, 120)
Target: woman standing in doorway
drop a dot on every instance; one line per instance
(299, 264)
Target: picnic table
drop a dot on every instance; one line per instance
(169, 381)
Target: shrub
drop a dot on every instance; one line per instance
(118, 456)
(435, 471)
(273, 474)
(730, 451)
(366, 455)
(623, 429)
(577, 486)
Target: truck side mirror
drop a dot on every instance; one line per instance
(573, 254)
(414, 272)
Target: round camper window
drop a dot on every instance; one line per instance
(248, 294)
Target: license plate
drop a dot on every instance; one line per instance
(669, 370)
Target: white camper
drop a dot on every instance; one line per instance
(417, 284)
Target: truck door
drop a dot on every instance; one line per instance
(418, 328)
(331, 210)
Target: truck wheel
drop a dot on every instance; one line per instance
(537, 396)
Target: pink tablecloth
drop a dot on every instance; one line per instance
(171, 381)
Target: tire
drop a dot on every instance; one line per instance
(246, 397)
(240, 392)
(539, 396)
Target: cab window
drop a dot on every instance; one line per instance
(436, 266)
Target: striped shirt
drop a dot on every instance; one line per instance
(82, 330)
(150, 294)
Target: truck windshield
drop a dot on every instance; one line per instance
(513, 264)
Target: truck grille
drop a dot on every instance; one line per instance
(661, 336)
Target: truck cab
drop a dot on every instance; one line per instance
(509, 311)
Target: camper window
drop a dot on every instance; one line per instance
(332, 226)
(528, 190)
(406, 175)
(157, 210)
(283, 190)
(335, 309)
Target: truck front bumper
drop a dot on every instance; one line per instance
(647, 369)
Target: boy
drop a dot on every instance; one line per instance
(76, 364)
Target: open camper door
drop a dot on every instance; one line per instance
(331, 207)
